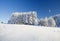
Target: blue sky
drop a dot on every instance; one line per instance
(44, 8)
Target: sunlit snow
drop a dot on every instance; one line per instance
(13, 32)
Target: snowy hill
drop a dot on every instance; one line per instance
(13, 32)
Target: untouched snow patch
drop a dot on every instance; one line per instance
(13, 32)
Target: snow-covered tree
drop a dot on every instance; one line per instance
(51, 22)
(33, 18)
(43, 22)
(23, 18)
(57, 20)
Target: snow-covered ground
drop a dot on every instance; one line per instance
(13, 32)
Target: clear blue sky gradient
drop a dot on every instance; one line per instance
(42, 7)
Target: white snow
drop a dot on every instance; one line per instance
(13, 32)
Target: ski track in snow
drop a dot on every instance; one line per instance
(13, 32)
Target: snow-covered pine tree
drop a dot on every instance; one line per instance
(23, 18)
(51, 22)
(43, 22)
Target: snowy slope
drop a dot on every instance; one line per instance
(13, 32)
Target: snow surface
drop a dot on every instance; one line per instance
(13, 32)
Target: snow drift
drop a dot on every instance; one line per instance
(13, 32)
